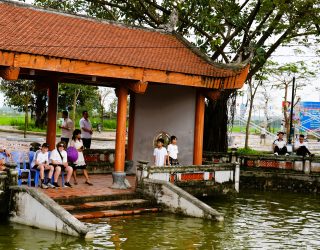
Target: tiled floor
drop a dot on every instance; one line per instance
(101, 186)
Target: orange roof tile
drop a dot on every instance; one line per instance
(37, 31)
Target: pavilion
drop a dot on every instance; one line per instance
(166, 77)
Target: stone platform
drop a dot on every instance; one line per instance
(101, 187)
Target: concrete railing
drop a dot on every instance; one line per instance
(192, 175)
(291, 162)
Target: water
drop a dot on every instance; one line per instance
(253, 220)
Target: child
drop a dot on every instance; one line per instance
(59, 159)
(160, 154)
(279, 145)
(41, 161)
(76, 142)
(173, 151)
(301, 147)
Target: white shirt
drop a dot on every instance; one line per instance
(67, 133)
(173, 151)
(55, 156)
(78, 144)
(85, 124)
(160, 156)
(297, 144)
(279, 143)
(40, 158)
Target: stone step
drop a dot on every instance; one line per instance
(107, 205)
(74, 200)
(112, 213)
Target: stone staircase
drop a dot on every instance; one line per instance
(100, 206)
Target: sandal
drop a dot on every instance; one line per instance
(75, 183)
(89, 183)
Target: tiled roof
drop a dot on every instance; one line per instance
(41, 32)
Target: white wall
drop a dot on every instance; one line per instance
(165, 108)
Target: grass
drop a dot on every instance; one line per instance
(238, 129)
(11, 120)
(18, 122)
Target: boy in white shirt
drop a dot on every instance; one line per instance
(301, 147)
(173, 151)
(41, 161)
(160, 154)
(59, 159)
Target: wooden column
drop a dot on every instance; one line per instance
(122, 93)
(198, 129)
(52, 114)
(131, 126)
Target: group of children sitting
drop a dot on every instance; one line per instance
(300, 146)
(166, 156)
(56, 162)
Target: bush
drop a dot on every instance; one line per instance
(249, 151)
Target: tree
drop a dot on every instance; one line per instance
(254, 83)
(228, 31)
(103, 94)
(19, 94)
(283, 76)
(73, 96)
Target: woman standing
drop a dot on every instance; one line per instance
(80, 163)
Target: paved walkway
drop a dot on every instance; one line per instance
(101, 186)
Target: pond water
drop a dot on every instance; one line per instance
(253, 220)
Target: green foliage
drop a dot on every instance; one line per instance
(249, 151)
(16, 93)
(88, 97)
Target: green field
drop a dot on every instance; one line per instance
(18, 122)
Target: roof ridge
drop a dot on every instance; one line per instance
(206, 58)
(82, 16)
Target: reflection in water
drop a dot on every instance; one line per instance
(252, 220)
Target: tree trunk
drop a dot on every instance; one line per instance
(74, 106)
(246, 144)
(285, 111)
(101, 115)
(216, 124)
(40, 109)
(26, 118)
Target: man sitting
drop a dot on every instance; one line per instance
(301, 147)
(279, 145)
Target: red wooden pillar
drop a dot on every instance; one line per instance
(121, 129)
(198, 129)
(131, 126)
(118, 175)
(52, 114)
